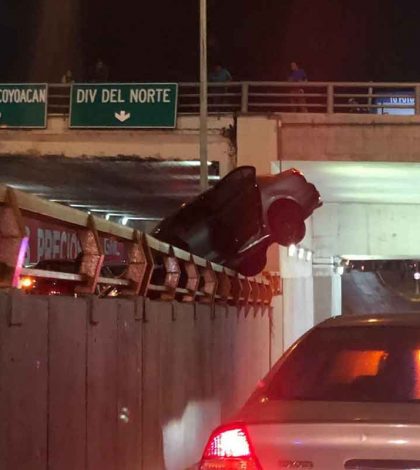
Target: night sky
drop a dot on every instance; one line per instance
(158, 40)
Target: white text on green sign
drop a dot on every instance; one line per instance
(115, 95)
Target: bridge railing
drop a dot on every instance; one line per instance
(251, 97)
(153, 268)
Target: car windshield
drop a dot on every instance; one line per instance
(359, 364)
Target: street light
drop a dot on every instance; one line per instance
(203, 96)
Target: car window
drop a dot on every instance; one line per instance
(352, 364)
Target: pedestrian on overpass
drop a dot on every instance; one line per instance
(219, 74)
(67, 77)
(297, 74)
(100, 72)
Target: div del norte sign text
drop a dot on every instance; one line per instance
(23, 105)
(115, 105)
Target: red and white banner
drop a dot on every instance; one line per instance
(49, 240)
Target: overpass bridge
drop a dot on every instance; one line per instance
(245, 118)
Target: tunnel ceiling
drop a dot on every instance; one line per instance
(143, 188)
(363, 182)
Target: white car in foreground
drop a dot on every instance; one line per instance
(345, 396)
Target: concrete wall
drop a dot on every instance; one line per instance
(113, 383)
(257, 142)
(367, 230)
(260, 140)
(352, 137)
(327, 296)
(349, 137)
(298, 294)
(181, 143)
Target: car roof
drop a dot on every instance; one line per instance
(373, 320)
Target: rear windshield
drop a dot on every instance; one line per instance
(379, 364)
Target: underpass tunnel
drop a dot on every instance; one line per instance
(380, 285)
(370, 218)
(134, 192)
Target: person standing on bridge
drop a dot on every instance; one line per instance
(100, 72)
(297, 74)
(67, 77)
(219, 74)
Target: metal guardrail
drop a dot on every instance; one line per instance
(251, 97)
(203, 280)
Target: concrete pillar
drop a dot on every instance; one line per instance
(257, 146)
(298, 307)
(298, 294)
(276, 330)
(327, 290)
(257, 142)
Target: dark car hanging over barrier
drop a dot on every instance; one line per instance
(235, 221)
(271, 96)
(154, 268)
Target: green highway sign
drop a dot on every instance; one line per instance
(23, 106)
(128, 105)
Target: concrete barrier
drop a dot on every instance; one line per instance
(121, 384)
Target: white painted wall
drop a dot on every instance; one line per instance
(378, 230)
(298, 291)
(327, 296)
(277, 329)
(298, 307)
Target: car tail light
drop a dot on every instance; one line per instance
(229, 448)
(26, 282)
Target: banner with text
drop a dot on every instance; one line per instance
(51, 240)
(134, 105)
(23, 106)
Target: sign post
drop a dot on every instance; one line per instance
(23, 105)
(114, 105)
(204, 177)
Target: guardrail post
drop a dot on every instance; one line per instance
(210, 284)
(193, 280)
(254, 300)
(246, 292)
(370, 92)
(150, 266)
(137, 265)
(417, 91)
(267, 296)
(244, 97)
(172, 275)
(224, 286)
(13, 241)
(92, 258)
(330, 98)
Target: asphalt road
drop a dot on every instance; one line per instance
(362, 292)
(144, 188)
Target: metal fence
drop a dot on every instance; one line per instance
(314, 97)
(154, 269)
